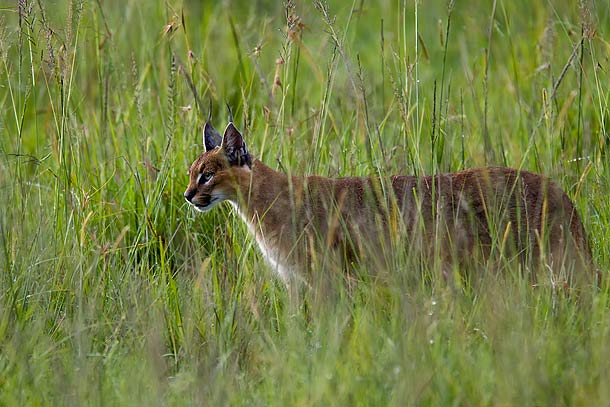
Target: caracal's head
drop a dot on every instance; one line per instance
(214, 174)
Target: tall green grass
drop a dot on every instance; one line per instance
(114, 292)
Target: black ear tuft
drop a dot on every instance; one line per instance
(211, 137)
(230, 113)
(235, 147)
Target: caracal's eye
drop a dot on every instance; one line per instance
(204, 177)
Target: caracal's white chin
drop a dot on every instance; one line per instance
(205, 208)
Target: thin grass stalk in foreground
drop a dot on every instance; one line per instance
(488, 147)
(445, 45)
(579, 122)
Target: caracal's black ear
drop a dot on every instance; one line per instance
(234, 145)
(211, 137)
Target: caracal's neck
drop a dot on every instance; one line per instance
(260, 190)
(263, 202)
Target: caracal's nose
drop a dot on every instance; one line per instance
(189, 194)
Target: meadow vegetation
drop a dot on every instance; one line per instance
(113, 291)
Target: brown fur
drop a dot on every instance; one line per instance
(301, 223)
